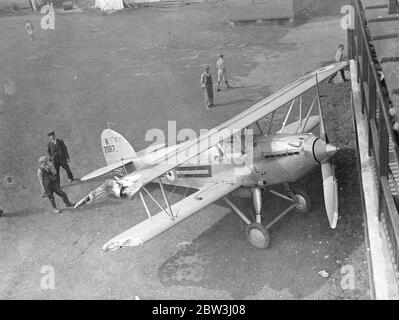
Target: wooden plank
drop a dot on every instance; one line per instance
(383, 19)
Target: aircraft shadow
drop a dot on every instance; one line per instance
(222, 104)
(23, 213)
(110, 200)
(98, 180)
(235, 87)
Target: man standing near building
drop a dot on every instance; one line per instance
(221, 70)
(58, 153)
(49, 184)
(338, 58)
(207, 86)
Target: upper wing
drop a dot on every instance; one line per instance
(157, 224)
(191, 148)
(130, 184)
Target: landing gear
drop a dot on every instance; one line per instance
(303, 201)
(257, 235)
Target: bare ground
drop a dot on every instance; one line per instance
(139, 69)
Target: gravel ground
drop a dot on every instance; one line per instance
(138, 69)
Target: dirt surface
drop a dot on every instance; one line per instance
(139, 69)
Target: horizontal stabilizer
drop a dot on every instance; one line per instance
(106, 169)
(159, 223)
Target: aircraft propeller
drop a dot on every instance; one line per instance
(330, 185)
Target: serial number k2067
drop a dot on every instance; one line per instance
(108, 149)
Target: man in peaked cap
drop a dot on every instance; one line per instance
(49, 184)
(58, 153)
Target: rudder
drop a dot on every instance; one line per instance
(115, 147)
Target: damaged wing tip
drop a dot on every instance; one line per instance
(130, 242)
(82, 202)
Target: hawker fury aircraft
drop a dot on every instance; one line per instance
(228, 160)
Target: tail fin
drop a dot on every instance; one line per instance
(115, 147)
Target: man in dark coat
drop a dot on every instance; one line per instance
(207, 86)
(49, 184)
(58, 153)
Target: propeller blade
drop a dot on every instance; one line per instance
(330, 188)
(330, 185)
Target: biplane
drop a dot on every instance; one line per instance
(228, 159)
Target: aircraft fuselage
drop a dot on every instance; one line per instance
(269, 160)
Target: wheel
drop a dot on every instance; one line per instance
(257, 235)
(303, 199)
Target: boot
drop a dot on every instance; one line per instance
(67, 202)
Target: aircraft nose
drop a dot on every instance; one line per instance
(323, 151)
(331, 150)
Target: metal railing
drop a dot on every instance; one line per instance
(375, 108)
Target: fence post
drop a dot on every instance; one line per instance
(350, 34)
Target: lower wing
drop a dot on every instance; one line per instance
(159, 223)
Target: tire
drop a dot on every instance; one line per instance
(304, 205)
(257, 235)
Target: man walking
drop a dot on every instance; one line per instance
(338, 58)
(221, 70)
(29, 28)
(207, 86)
(49, 184)
(58, 153)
